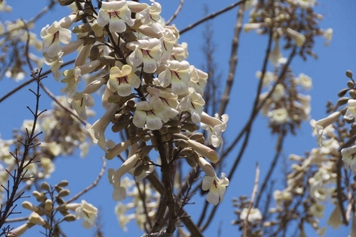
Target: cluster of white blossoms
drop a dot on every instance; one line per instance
(16, 32)
(315, 178)
(148, 87)
(135, 208)
(42, 214)
(286, 104)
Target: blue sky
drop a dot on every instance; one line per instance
(328, 74)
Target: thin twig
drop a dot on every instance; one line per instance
(49, 93)
(233, 60)
(272, 166)
(10, 93)
(35, 18)
(211, 16)
(187, 221)
(247, 128)
(94, 184)
(175, 13)
(254, 192)
(28, 144)
(27, 46)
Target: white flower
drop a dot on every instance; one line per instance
(279, 116)
(348, 156)
(88, 212)
(328, 34)
(297, 37)
(282, 196)
(198, 79)
(317, 210)
(52, 36)
(122, 81)
(304, 81)
(253, 26)
(146, 114)
(165, 102)
(255, 215)
(215, 127)
(351, 109)
(203, 150)
(151, 16)
(322, 124)
(305, 3)
(193, 102)
(147, 52)
(276, 56)
(278, 93)
(117, 14)
(97, 130)
(177, 74)
(115, 176)
(216, 187)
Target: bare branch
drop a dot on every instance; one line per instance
(176, 12)
(211, 16)
(254, 192)
(94, 184)
(10, 93)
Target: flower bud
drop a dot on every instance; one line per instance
(203, 150)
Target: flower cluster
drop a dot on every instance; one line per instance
(149, 88)
(138, 205)
(283, 103)
(51, 202)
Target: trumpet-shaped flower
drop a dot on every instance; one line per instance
(328, 34)
(180, 52)
(198, 79)
(279, 116)
(122, 81)
(305, 3)
(278, 93)
(297, 37)
(88, 212)
(322, 124)
(304, 81)
(351, 109)
(204, 150)
(165, 102)
(146, 51)
(193, 102)
(52, 36)
(97, 130)
(151, 17)
(168, 41)
(80, 102)
(115, 176)
(254, 215)
(216, 187)
(276, 56)
(146, 114)
(348, 156)
(215, 127)
(116, 13)
(177, 75)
